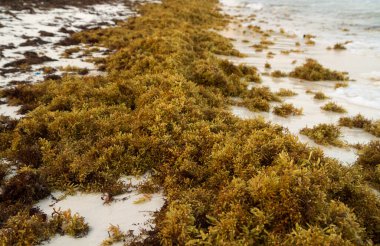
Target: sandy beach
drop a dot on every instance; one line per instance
(189, 122)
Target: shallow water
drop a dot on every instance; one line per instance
(328, 18)
(361, 59)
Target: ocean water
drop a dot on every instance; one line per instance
(325, 17)
(331, 21)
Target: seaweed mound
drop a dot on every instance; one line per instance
(311, 70)
(162, 108)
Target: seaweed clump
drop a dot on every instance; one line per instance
(359, 121)
(340, 85)
(369, 160)
(313, 71)
(278, 74)
(320, 96)
(333, 107)
(259, 98)
(324, 134)
(33, 227)
(226, 180)
(339, 46)
(287, 109)
(286, 93)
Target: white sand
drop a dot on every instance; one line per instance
(51, 21)
(99, 216)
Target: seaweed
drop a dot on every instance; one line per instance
(369, 160)
(287, 52)
(259, 98)
(339, 46)
(333, 107)
(324, 134)
(287, 109)
(30, 58)
(114, 235)
(320, 96)
(25, 229)
(26, 186)
(286, 93)
(359, 121)
(270, 55)
(309, 39)
(278, 74)
(48, 70)
(70, 51)
(74, 69)
(313, 71)
(69, 224)
(7, 124)
(374, 128)
(310, 42)
(162, 108)
(33, 227)
(340, 85)
(256, 104)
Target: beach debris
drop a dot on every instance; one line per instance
(287, 109)
(333, 107)
(324, 134)
(311, 70)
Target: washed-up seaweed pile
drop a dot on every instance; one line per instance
(47, 4)
(162, 108)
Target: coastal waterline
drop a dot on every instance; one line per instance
(339, 19)
(227, 181)
(331, 22)
(289, 21)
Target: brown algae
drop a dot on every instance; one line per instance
(278, 74)
(287, 109)
(162, 107)
(333, 107)
(286, 93)
(320, 96)
(324, 134)
(369, 161)
(359, 121)
(313, 71)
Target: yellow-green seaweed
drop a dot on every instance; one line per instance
(162, 107)
(324, 134)
(313, 71)
(333, 107)
(287, 109)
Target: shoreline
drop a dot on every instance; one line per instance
(163, 108)
(37, 46)
(353, 97)
(31, 5)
